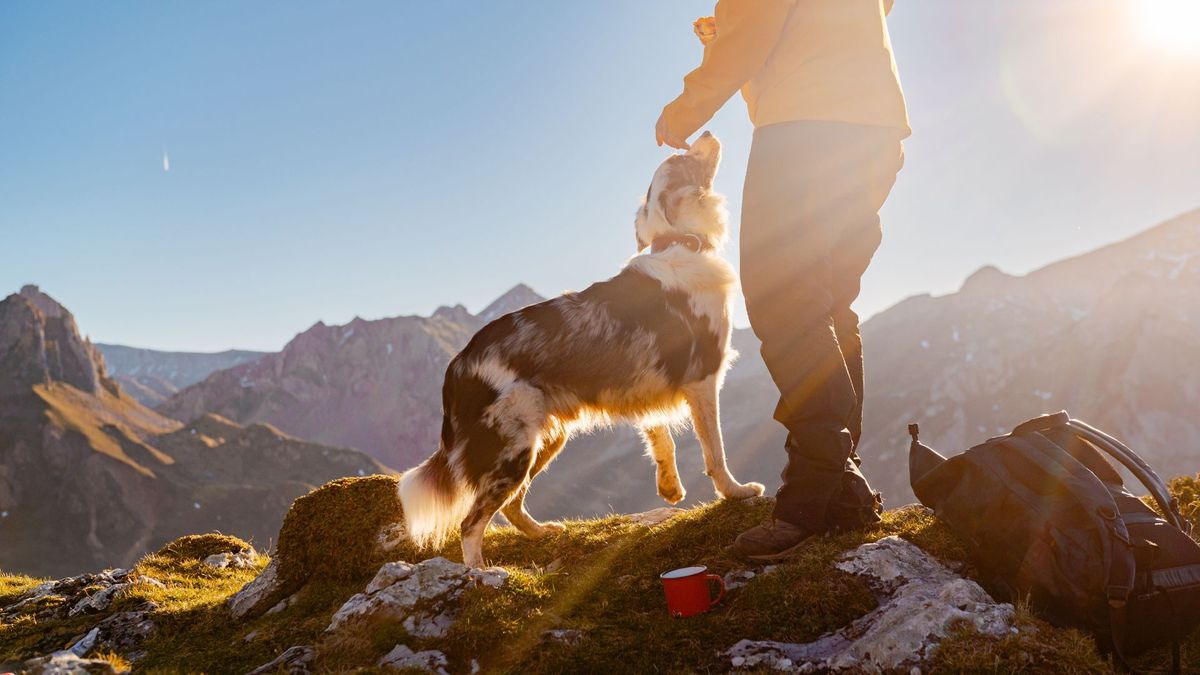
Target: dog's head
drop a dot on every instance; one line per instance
(681, 199)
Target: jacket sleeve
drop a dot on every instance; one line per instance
(747, 31)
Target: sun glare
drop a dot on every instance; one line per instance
(1170, 24)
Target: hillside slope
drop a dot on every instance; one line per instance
(587, 600)
(90, 477)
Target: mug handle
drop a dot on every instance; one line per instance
(720, 582)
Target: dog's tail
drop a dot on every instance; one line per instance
(434, 502)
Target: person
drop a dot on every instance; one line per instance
(821, 87)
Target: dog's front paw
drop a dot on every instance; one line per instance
(673, 493)
(552, 527)
(744, 491)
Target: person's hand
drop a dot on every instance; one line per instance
(705, 28)
(662, 134)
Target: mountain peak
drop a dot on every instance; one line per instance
(40, 343)
(515, 298)
(987, 279)
(46, 304)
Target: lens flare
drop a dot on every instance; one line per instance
(1170, 24)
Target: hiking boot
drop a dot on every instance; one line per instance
(846, 518)
(777, 540)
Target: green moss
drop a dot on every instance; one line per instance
(1186, 489)
(1036, 648)
(331, 532)
(200, 546)
(13, 586)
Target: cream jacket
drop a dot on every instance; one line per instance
(827, 60)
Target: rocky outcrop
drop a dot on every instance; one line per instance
(919, 601)
(423, 596)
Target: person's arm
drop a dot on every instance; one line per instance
(747, 31)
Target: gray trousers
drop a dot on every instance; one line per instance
(810, 225)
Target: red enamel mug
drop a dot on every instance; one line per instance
(688, 591)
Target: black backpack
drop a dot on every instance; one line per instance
(1048, 519)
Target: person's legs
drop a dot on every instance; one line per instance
(809, 226)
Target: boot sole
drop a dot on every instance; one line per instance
(782, 555)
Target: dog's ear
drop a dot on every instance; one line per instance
(707, 151)
(641, 245)
(668, 203)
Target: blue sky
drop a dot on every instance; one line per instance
(375, 159)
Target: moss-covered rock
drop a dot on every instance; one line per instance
(200, 546)
(333, 532)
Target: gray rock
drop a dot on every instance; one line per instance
(294, 660)
(98, 601)
(655, 516)
(284, 604)
(738, 578)
(919, 599)
(566, 636)
(124, 632)
(66, 663)
(68, 597)
(238, 560)
(259, 594)
(84, 644)
(390, 537)
(430, 661)
(424, 596)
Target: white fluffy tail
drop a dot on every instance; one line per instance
(434, 503)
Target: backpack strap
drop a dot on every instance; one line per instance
(1138, 467)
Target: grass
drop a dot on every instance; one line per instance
(599, 578)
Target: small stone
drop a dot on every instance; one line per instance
(737, 661)
(250, 636)
(284, 604)
(401, 657)
(565, 636)
(655, 516)
(84, 645)
(294, 661)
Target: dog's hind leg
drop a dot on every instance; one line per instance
(494, 490)
(515, 511)
(661, 447)
(706, 420)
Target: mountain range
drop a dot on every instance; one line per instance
(1107, 335)
(91, 478)
(152, 376)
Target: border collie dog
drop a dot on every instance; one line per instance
(649, 346)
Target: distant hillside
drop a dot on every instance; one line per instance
(91, 478)
(371, 385)
(153, 376)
